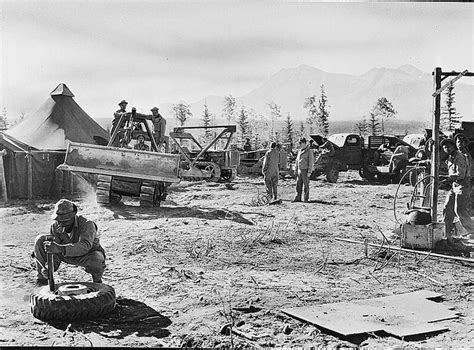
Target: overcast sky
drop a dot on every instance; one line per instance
(152, 53)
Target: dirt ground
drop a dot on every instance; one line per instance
(210, 256)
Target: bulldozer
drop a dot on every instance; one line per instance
(201, 162)
(118, 170)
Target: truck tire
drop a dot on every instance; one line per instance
(228, 175)
(366, 174)
(332, 174)
(97, 301)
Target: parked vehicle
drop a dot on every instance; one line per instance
(201, 162)
(352, 152)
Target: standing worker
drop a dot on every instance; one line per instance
(72, 239)
(461, 145)
(271, 170)
(118, 114)
(456, 199)
(304, 168)
(159, 126)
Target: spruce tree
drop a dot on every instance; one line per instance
(206, 122)
(311, 106)
(243, 122)
(289, 130)
(450, 119)
(323, 113)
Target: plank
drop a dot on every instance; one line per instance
(401, 315)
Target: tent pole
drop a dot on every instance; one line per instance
(30, 174)
(2, 175)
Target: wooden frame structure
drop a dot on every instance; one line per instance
(438, 77)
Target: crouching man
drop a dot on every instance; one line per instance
(72, 239)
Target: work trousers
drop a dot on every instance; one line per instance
(271, 182)
(302, 181)
(93, 262)
(456, 206)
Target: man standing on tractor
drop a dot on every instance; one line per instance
(159, 126)
(72, 239)
(304, 168)
(141, 145)
(118, 114)
(456, 199)
(271, 170)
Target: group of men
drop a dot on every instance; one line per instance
(458, 199)
(159, 126)
(303, 169)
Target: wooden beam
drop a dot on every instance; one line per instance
(30, 173)
(435, 153)
(453, 74)
(459, 76)
(392, 247)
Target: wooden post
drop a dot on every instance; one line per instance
(2, 177)
(435, 153)
(30, 173)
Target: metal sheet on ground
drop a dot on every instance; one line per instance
(401, 315)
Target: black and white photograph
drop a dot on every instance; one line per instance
(236, 174)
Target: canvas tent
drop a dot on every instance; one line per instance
(37, 145)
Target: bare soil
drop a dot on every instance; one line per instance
(211, 256)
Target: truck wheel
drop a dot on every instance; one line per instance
(97, 301)
(332, 174)
(228, 175)
(104, 183)
(365, 174)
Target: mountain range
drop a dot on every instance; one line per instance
(350, 97)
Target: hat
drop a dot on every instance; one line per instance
(446, 141)
(460, 136)
(140, 135)
(64, 210)
(154, 109)
(122, 102)
(303, 140)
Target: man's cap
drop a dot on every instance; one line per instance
(448, 141)
(302, 140)
(122, 102)
(141, 135)
(154, 109)
(64, 210)
(460, 136)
